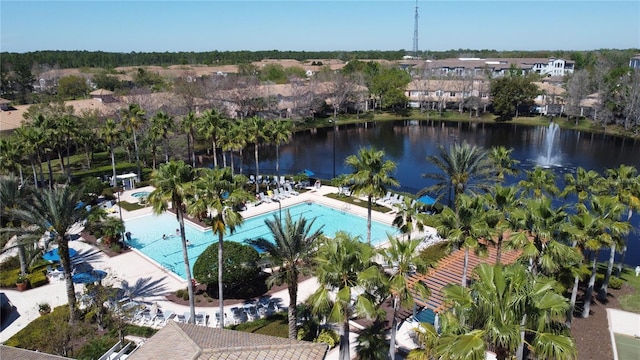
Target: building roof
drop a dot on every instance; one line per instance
(449, 271)
(14, 353)
(189, 341)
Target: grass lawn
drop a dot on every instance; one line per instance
(631, 302)
(130, 206)
(274, 325)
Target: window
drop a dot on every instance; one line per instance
(452, 94)
(439, 93)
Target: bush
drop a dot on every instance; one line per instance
(434, 253)
(180, 293)
(37, 279)
(8, 279)
(10, 263)
(328, 337)
(616, 283)
(240, 269)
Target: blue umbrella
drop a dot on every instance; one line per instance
(52, 255)
(427, 200)
(308, 172)
(89, 277)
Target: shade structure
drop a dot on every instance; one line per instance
(89, 277)
(52, 255)
(308, 172)
(427, 200)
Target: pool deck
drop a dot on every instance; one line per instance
(133, 266)
(623, 323)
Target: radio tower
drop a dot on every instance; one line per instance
(415, 33)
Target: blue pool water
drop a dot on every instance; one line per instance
(141, 194)
(147, 232)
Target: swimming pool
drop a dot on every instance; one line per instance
(147, 232)
(140, 194)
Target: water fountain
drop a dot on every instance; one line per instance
(548, 159)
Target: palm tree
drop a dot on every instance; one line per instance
(372, 342)
(542, 236)
(463, 228)
(500, 202)
(409, 218)
(503, 162)
(55, 210)
(237, 140)
(217, 193)
(539, 183)
(188, 124)
(345, 264)
(370, 176)
(31, 141)
(600, 226)
(624, 183)
(161, 126)
(256, 128)
(110, 135)
(582, 185)
(279, 133)
(68, 128)
(463, 169)
(173, 186)
(11, 196)
(11, 156)
(133, 118)
(403, 258)
(210, 126)
(491, 314)
(293, 244)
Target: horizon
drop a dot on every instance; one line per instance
(317, 26)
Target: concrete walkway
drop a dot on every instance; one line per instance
(624, 323)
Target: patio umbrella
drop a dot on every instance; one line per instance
(427, 200)
(52, 255)
(308, 172)
(89, 277)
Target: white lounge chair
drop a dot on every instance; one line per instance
(201, 319)
(251, 312)
(264, 198)
(399, 200)
(290, 190)
(392, 199)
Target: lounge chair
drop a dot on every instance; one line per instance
(391, 200)
(399, 200)
(251, 312)
(162, 318)
(201, 319)
(252, 179)
(290, 190)
(264, 198)
(386, 197)
(279, 194)
(182, 318)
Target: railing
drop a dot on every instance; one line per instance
(114, 353)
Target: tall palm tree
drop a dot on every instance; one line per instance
(540, 183)
(188, 124)
(256, 132)
(602, 228)
(491, 314)
(31, 141)
(111, 136)
(12, 194)
(217, 193)
(541, 235)
(345, 264)
(500, 202)
(210, 126)
(68, 128)
(237, 140)
(172, 182)
(624, 183)
(405, 260)
(503, 162)
(162, 126)
(370, 176)
(133, 118)
(463, 169)
(293, 244)
(280, 133)
(55, 210)
(464, 228)
(409, 218)
(11, 156)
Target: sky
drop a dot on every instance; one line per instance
(317, 25)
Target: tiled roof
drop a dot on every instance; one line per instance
(449, 271)
(13, 353)
(189, 341)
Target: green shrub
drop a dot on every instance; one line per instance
(37, 279)
(434, 253)
(10, 263)
(328, 337)
(616, 283)
(302, 334)
(8, 279)
(180, 293)
(96, 347)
